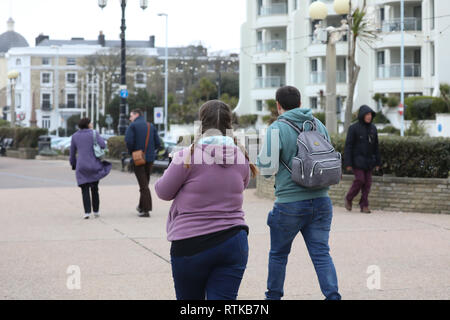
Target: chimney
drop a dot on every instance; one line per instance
(101, 39)
(41, 38)
(152, 41)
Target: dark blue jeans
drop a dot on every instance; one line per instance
(313, 219)
(214, 274)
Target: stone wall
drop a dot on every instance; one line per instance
(387, 193)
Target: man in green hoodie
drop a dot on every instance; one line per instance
(296, 209)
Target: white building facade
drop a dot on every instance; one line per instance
(277, 48)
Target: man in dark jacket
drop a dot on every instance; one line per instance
(362, 155)
(135, 138)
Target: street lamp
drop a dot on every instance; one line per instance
(123, 68)
(342, 7)
(166, 76)
(12, 76)
(319, 11)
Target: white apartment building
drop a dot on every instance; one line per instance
(277, 48)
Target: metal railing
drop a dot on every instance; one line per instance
(269, 82)
(412, 70)
(273, 45)
(319, 77)
(46, 107)
(274, 9)
(393, 25)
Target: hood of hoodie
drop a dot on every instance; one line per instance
(298, 115)
(221, 150)
(363, 110)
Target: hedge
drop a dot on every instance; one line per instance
(116, 145)
(424, 108)
(23, 137)
(410, 156)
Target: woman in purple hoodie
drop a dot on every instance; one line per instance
(89, 169)
(206, 223)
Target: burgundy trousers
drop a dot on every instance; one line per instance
(362, 182)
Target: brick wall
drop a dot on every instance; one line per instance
(387, 193)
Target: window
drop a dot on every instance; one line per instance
(433, 60)
(71, 78)
(46, 78)
(45, 61)
(139, 62)
(46, 122)
(18, 101)
(432, 14)
(71, 61)
(18, 62)
(140, 78)
(71, 100)
(259, 105)
(46, 102)
(313, 102)
(313, 65)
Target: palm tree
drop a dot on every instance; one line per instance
(360, 28)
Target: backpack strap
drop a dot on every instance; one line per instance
(291, 124)
(298, 130)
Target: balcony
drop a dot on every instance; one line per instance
(271, 46)
(269, 82)
(46, 107)
(394, 25)
(412, 70)
(319, 77)
(274, 9)
(70, 106)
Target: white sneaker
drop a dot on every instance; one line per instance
(96, 215)
(86, 216)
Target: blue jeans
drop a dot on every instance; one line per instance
(313, 219)
(215, 273)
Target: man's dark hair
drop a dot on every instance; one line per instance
(137, 111)
(288, 97)
(84, 123)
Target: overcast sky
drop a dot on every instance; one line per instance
(214, 23)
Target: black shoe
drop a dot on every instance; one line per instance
(144, 215)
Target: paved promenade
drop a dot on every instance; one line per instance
(45, 245)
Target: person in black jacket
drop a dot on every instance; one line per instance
(362, 155)
(135, 138)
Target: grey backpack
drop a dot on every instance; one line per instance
(316, 165)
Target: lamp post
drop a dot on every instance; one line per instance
(319, 11)
(12, 76)
(123, 68)
(166, 75)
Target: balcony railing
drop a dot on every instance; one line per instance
(46, 107)
(273, 45)
(412, 70)
(394, 25)
(274, 9)
(319, 77)
(269, 82)
(70, 106)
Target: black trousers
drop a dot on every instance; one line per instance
(87, 190)
(143, 177)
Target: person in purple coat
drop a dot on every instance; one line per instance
(88, 168)
(206, 222)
